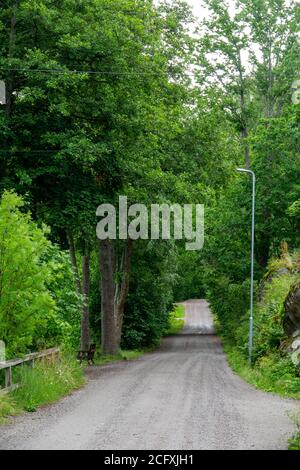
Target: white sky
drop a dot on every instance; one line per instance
(197, 7)
(200, 11)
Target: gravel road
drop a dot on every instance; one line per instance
(183, 396)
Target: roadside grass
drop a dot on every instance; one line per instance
(7, 407)
(45, 383)
(294, 442)
(175, 321)
(42, 384)
(272, 373)
(123, 355)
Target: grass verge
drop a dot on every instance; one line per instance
(123, 355)
(46, 382)
(294, 443)
(272, 373)
(175, 321)
(41, 385)
(7, 407)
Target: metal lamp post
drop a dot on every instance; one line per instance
(250, 345)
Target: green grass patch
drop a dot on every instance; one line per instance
(123, 355)
(7, 407)
(272, 373)
(294, 443)
(175, 321)
(41, 385)
(46, 382)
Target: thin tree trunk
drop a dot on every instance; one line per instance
(11, 52)
(243, 112)
(85, 317)
(247, 149)
(74, 262)
(108, 324)
(270, 103)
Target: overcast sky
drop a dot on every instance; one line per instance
(198, 8)
(200, 11)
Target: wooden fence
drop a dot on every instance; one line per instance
(7, 366)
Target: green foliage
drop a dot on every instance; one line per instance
(138, 125)
(273, 370)
(294, 442)
(25, 301)
(229, 302)
(64, 326)
(123, 355)
(7, 407)
(150, 297)
(269, 315)
(175, 321)
(273, 373)
(46, 382)
(38, 305)
(189, 283)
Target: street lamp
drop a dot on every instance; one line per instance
(250, 345)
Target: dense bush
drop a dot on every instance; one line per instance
(47, 382)
(151, 295)
(38, 304)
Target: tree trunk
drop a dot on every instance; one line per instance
(11, 52)
(243, 112)
(122, 289)
(85, 316)
(247, 149)
(108, 324)
(74, 262)
(113, 294)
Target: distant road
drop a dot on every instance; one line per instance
(183, 396)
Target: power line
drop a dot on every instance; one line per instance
(90, 72)
(112, 72)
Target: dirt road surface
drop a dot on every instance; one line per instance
(182, 396)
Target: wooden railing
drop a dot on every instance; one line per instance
(7, 366)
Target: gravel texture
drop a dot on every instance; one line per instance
(182, 396)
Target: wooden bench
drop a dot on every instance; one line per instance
(7, 366)
(87, 355)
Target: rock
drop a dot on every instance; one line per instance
(292, 310)
(296, 333)
(295, 344)
(296, 357)
(282, 272)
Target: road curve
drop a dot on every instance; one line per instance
(183, 396)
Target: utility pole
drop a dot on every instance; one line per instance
(250, 344)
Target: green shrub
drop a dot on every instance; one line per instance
(24, 301)
(273, 373)
(175, 321)
(46, 382)
(7, 407)
(269, 315)
(229, 302)
(294, 442)
(150, 296)
(39, 306)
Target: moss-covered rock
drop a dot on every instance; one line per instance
(292, 310)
